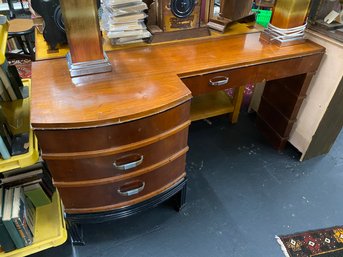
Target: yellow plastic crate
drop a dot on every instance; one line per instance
(50, 229)
(23, 160)
(3, 41)
(18, 117)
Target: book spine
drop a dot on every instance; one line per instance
(31, 216)
(4, 94)
(6, 241)
(3, 150)
(13, 232)
(23, 230)
(7, 85)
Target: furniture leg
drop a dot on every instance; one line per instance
(280, 104)
(180, 198)
(75, 232)
(30, 47)
(237, 102)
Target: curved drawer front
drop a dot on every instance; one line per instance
(98, 138)
(205, 83)
(119, 164)
(98, 197)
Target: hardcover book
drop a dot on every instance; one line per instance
(19, 217)
(36, 194)
(7, 84)
(7, 219)
(6, 241)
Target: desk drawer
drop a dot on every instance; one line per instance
(98, 138)
(99, 196)
(117, 164)
(205, 83)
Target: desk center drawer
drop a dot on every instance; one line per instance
(107, 165)
(213, 81)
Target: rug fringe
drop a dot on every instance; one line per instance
(283, 248)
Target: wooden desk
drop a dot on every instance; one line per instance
(82, 123)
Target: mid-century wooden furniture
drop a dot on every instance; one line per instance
(116, 142)
(290, 13)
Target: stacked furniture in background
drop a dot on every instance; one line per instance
(123, 21)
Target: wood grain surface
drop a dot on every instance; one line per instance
(81, 22)
(80, 169)
(144, 80)
(104, 196)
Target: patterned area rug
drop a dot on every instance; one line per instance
(318, 243)
(23, 67)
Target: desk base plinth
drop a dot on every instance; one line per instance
(75, 221)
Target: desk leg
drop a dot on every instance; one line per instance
(237, 103)
(279, 107)
(75, 232)
(180, 197)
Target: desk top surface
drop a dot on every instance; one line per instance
(144, 80)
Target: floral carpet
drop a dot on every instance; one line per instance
(317, 243)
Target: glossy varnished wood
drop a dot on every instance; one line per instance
(81, 22)
(95, 140)
(144, 80)
(71, 169)
(104, 197)
(290, 13)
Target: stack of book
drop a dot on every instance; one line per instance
(35, 181)
(21, 192)
(11, 86)
(123, 21)
(17, 219)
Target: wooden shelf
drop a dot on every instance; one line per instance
(210, 105)
(50, 229)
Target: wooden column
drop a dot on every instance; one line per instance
(290, 13)
(83, 32)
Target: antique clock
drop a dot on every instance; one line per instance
(173, 15)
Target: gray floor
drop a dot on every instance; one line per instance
(241, 194)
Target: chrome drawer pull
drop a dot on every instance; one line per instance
(130, 165)
(132, 191)
(218, 81)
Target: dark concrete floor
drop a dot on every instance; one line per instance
(241, 194)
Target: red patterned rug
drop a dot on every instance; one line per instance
(317, 243)
(23, 67)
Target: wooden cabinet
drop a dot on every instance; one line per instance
(116, 192)
(117, 165)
